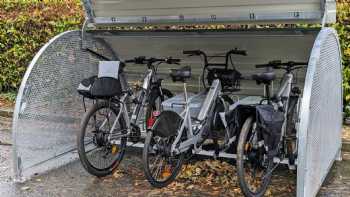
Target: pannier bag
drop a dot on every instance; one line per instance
(167, 124)
(105, 85)
(84, 87)
(229, 78)
(270, 122)
(236, 117)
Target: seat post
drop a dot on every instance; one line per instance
(268, 93)
(185, 92)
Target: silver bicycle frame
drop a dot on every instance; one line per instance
(283, 94)
(193, 139)
(124, 110)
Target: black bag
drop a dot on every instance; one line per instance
(236, 118)
(270, 122)
(167, 124)
(100, 88)
(85, 86)
(106, 87)
(229, 78)
(106, 84)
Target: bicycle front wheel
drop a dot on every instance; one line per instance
(159, 166)
(253, 166)
(97, 154)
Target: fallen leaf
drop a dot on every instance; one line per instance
(25, 188)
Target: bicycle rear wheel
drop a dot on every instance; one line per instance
(98, 156)
(253, 165)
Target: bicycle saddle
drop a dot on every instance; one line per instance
(265, 77)
(181, 74)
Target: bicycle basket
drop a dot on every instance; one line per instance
(167, 124)
(229, 78)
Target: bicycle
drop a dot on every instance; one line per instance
(269, 132)
(106, 126)
(220, 70)
(174, 135)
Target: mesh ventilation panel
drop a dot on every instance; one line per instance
(48, 108)
(321, 114)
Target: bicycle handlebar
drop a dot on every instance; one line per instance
(144, 60)
(199, 52)
(278, 64)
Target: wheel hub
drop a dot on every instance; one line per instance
(100, 139)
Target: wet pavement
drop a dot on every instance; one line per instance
(73, 181)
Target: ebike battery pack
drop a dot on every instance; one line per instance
(177, 103)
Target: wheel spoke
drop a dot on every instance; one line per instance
(159, 168)
(155, 164)
(98, 150)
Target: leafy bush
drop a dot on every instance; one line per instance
(25, 26)
(343, 28)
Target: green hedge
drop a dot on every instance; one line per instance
(25, 26)
(343, 28)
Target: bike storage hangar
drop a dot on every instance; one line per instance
(48, 108)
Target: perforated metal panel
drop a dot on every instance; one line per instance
(48, 108)
(321, 114)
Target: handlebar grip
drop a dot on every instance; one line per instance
(172, 61)
(192, 52)
(242, 52)
(175, 60)
(129, 61)
(301, 63)
(262, 65)
(237, 52)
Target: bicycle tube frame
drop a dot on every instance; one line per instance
(284, 93)
(187, 123)
(135, 115)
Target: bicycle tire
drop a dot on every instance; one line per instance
(146, 166)
(246, 129)
(90, 168)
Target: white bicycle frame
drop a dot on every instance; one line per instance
(124, 110)
(284, 94)
(194, 139)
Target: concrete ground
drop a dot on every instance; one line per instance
(73, 181)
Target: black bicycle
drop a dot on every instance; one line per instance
(106, 126)
(269, 132)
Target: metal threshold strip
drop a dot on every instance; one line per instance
(211, 153)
